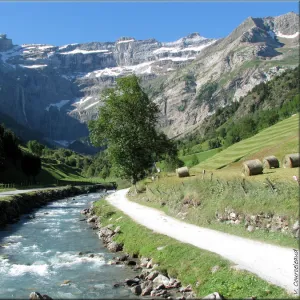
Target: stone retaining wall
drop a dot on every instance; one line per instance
(12, 207)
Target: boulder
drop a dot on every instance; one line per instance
(137, 290)
(163, 293)
(66, 281)
(132, 282)
(114, 247)
(85, 211)
(35, 296)
(131, 263)
(250, 228)
(123, 257)
(149, 264)
(185, 289)
(152, 275)
(92, 219)
(213, 296)
(214, 269)
(160, 287)
(161, 279)
(117, 230)
(232, 216)
(105, 232)
(147, 288)
(296, 226)
(144, 273)
(173, 283)
(144, 261)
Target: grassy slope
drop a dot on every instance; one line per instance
(283, 135)
(186, 262)
(225, 191)
(202, 156)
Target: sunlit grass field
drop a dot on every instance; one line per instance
(279, 139)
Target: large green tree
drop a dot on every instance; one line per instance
(35, 147)
(126, 124)
(31, 165)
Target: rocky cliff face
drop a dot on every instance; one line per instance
(56, 90)
(254, 52)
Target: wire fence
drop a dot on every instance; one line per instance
(30, 184)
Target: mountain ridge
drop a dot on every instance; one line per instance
(56, 89)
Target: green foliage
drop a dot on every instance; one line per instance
(201, 156)
(265, 105)
(31, 164)
(214, 143)
(126, 124)
(194, 160)
(206, 92)
(171, 163)
(35, 147)
(190, 82)
(10, 145)
(181, 107)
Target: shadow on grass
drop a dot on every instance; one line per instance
(234, 161)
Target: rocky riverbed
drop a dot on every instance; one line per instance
(149, 281)
(51, 252)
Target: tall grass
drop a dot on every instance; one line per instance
(198, 200)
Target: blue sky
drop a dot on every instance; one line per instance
(66, 22)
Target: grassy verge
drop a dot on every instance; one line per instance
(6, 190)
(186, 262)
(197, 201)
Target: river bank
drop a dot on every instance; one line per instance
(202, 271)
(53, 251)
(13, 206)
(150, 280)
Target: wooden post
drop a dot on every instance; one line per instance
(211, 176)
(203, 174)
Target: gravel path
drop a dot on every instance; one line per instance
(272, 263)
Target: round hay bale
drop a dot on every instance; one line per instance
(182, 172)
(291, 160)
(252, 167)
(270, 162)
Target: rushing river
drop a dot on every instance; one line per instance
(40, 254)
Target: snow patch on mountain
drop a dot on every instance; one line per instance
(125, 41)
(85, 99)
(177, 58)
(64, 143)
(91, 105)
(76, 51)
(287, 36)
(117, 71)
(33, 66)
(59, 105)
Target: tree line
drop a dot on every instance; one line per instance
(266, 104)
(12, 157)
